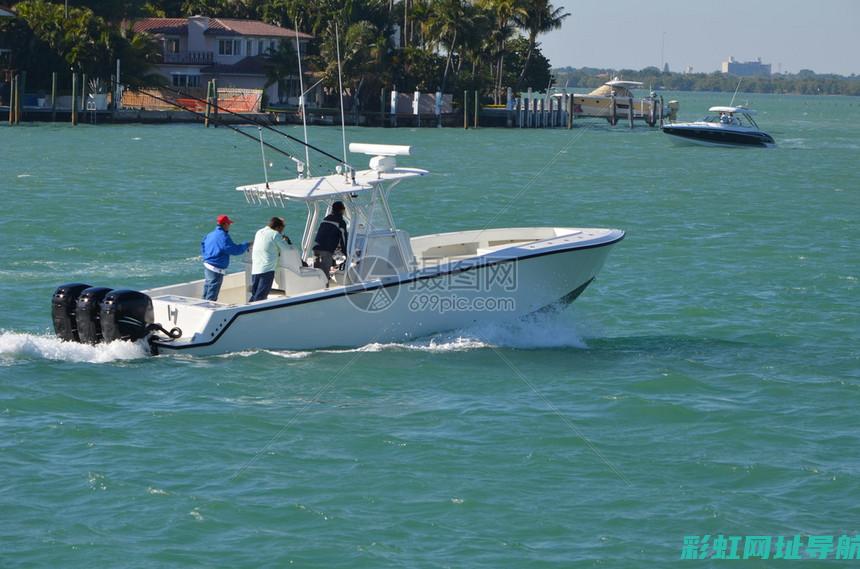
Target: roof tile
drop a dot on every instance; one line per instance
(217, 26)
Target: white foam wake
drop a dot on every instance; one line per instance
(14, 345)
(549, 330)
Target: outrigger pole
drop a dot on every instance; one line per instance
(227, 125)
(252, 120)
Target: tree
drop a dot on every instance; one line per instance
(281, 63)
(540, 17)
(81, 42)
(504, 14)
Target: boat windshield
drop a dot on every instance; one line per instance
(733, 119)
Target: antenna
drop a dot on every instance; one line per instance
(263, 150)
(340, 85)
(736, 92)
(302, 104)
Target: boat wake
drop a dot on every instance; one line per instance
(18, 346)
(547, 331)
(543, 331)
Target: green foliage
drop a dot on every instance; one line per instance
(485, 45)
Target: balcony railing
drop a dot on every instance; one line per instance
(190, 57)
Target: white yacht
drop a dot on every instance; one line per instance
(388, 286)
(615, 99)
(728, 126)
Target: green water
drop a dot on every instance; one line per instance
(708, 382)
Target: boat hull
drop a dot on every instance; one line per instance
(716, 136)
(493, 288)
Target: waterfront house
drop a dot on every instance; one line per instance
(234, 52)
(5, 60)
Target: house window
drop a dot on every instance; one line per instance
(183, 80)
(260, 49)
(272, 45)
(249, 45)
(229, 47)
(173, 45)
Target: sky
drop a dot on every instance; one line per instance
(822, 35)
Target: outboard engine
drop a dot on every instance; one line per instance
(87, 314)
(673, 110)
(126, 315)
(63, 307)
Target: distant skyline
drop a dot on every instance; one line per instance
(628, 34)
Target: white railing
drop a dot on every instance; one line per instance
(190, 57)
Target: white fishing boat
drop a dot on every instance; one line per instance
(388, 286)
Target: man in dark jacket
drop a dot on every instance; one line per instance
(331, 235)
(216, 249)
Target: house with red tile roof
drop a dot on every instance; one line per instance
(233, 52)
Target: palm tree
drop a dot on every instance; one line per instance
(540, 17)
(445, 26)
(505, 13)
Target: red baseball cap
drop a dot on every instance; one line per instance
(222, 219)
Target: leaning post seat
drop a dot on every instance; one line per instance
(293, 278)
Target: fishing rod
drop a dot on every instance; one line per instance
(221, 121)
(258, 123)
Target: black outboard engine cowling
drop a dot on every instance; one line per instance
(63, 306)
(126, 315)
(87, 314)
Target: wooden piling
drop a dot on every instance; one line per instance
(208, 104)
(54, 96)
(18, 104)
(509, 107)
(529, 105)
(12, 102)
(661, 111)
(83, 92)
(381, 106)
(476, 109)
(74, 99)
(215, 101)
(570, 112)
(630, 111)
(652, 116)
(15, 107)
(613, 116)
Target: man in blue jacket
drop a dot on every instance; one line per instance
(216, 249)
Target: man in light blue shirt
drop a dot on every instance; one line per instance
(269, 243)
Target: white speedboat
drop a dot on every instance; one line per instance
(388, 287)
(728, 126)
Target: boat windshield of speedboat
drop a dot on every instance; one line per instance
(386, 285)
(733, 116)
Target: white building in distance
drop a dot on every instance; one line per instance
(746, 68)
